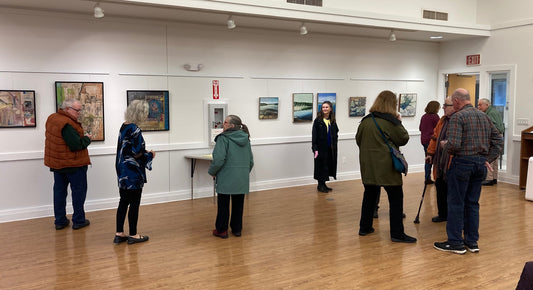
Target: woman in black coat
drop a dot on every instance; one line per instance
(324, 146)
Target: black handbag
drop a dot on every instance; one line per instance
(398, 160)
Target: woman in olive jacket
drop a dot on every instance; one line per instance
(376, 165)
(231, 166)
(324, 146)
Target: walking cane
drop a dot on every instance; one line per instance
(417, 220)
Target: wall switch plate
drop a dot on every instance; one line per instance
(522, 122)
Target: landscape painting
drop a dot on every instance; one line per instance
(302, 107)
(268, 107)
(322, 97)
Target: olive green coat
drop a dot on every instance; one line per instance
(232, 162)
(374, 155)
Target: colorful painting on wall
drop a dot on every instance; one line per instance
(407, 105)
(357, 106)
(17, 108)
(322, 97)
(268, 107)
(302, 107)
(158, 119)
(91, 97)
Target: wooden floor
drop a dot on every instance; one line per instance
(292, 238)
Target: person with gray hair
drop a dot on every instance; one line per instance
(131, 162)
(65, 152)
(485, 106)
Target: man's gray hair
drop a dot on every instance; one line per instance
(485, 101)
(461, 94)
(68, 103)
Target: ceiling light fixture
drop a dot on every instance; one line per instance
(98, 11)
(436, 37)
(392, 36)
(231, 22)
(303, 29)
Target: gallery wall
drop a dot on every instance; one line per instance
(128, 54)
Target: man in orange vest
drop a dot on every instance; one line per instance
(66, 154)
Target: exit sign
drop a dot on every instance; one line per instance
(474, 59)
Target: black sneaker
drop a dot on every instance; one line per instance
(472, 247)
(84, 224)
(365, 232)
(447, 247)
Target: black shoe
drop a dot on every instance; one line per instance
(438, 219)
(60, 227)
(404, 239)
(132, 240)
(429, 181)
(84, 224)
(488, 182)
(447, 247)
(495, 181)
(322, 188)
(472, 247)
(364, 233)
(328, 188)
(119, 239)
(237, 234)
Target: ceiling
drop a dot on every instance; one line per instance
(208, 16)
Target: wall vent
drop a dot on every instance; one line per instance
(307, 2)
(435, 15)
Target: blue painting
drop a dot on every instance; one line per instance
(268, 107)
(322, 97)
(407, 105)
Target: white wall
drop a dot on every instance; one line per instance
(44, 48)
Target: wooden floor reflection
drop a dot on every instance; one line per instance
(292, 238)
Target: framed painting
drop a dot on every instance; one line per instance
(17, 109)
(302, 107)
(91, 97)
(268, 108)
(357, 106)
(157, 109)
(407, 105)
(322, 97)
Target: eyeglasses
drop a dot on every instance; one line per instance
(77, 110)
(446, 105)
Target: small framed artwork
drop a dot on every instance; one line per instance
(407, 105)
(357, 106)
(91, 97)
(302, 107)
(322, 97)
(17, 109)
(158, 119)
(268, 108)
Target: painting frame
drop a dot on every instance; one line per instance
(17, 108)
(302, 107)
(268, 108)
(91, 97)
(322, 97)
(356, 106)
(158, 108)
(407, 104)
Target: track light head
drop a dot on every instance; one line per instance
(392, 36)
(303, 29)
(98, 11)
(231, 22)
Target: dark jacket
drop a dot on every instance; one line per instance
(232, 162)
(324, 167)
(374, 155)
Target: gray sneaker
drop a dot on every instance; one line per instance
(447, 247)
(472, 247)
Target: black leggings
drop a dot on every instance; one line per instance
(131, 198)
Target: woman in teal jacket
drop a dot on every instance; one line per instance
(376, 166)
(231, 166)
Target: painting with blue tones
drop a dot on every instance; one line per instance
(407, 105)
(322, 97)
(302, 107)
(268, 107)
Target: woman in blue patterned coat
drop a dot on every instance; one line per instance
(131, 163)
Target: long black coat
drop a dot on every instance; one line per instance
(324, 167)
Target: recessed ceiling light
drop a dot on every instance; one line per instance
(436, 37)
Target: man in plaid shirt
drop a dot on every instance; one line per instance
(474, 142)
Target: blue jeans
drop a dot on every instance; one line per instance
(78, 185)
(427, 166)
(464, 189)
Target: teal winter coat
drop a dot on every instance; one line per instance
(374, 155)
(232, 162)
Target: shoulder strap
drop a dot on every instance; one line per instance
(383, 135)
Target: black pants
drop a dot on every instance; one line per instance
(237, 201)
(395, 194)
(131, 198)
(442, 197)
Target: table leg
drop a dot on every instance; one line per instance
(193, 166)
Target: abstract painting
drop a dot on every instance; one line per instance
(407, 105)
(17, 108)
(158, 119)
(357, 106)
